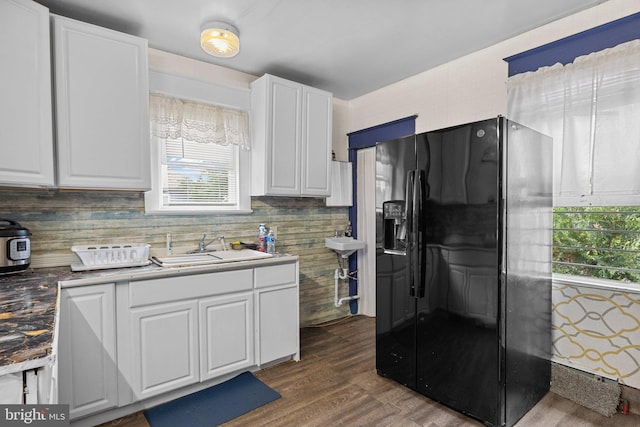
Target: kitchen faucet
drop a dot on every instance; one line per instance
(202, 245)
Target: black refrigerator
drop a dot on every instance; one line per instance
(463, 266)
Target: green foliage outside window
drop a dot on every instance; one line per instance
(602, 242)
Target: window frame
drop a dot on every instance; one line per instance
(154, 199)
(195, 89)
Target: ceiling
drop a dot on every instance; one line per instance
(348, 47)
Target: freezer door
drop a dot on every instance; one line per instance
(395, 308)
(457, 335)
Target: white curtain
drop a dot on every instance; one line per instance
(591, 108)
(176, 118)
(366, 181)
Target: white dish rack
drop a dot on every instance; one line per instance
(96, 257)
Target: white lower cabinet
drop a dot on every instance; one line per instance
(226, 334)
(277, 323)
(165, 347)
(187, 329)
(11, 389)
(277, 318)
(87, 349)
(33, 387)
(172, 333)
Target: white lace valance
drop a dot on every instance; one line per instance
(591, 108)
(193, 121)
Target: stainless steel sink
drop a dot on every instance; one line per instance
(343, 246)
(217, 257)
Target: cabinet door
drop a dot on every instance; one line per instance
(87, 349)
(165, 347)
(11, 389)
(316, 142)
(102, 94)
(283, 151)
(226, 334)
(26, 135)
(277, 317)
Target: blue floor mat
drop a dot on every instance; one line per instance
(214, 405)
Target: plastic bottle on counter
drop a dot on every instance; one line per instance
(169, 244)
(262, 238)
(271, 242)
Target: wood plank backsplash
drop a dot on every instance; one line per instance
(60, 219)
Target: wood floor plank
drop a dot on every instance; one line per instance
(336, 384)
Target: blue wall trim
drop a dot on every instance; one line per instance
(366, 138)
(569, 48)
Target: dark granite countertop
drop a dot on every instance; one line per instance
(29, 302)
(28, 310)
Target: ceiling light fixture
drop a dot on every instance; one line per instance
(220, 39)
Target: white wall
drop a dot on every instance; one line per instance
(199, 69)
(472, 87)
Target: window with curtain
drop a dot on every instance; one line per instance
(200, 157)
(591, 108)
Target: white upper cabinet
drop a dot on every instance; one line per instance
(101, 100)
(317, 110)
(291, 138)
(26, 136)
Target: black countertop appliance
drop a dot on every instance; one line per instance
(15, 247)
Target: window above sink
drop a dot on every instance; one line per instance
(198, 166)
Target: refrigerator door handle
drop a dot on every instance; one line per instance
(409, 215)
(419, 249)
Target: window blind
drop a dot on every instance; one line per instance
(199, 174)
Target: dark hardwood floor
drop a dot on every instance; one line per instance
(336, 384)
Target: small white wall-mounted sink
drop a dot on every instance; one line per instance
(343, 246)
